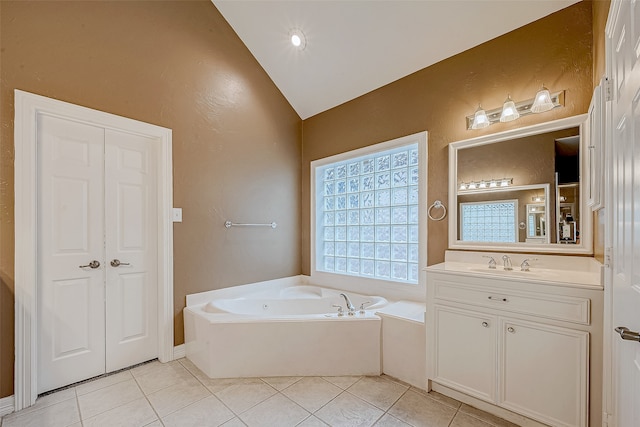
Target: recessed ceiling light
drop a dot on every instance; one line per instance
(298, 39)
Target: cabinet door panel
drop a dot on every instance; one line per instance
(465, 351)
(544, 372)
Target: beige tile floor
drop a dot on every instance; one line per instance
(177, 394)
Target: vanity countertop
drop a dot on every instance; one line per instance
(545, 269)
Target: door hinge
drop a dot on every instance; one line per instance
(607, 87)
(608, 257)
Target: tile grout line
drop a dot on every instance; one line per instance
(396, 401)
(212, 394)
(147, 399)
(77, 406)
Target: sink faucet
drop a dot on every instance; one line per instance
(507, 262)
(351, 310)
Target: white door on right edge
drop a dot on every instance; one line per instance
(625, 209)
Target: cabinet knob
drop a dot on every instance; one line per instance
(511, 329)
(485, 324)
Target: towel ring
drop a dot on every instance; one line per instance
(437, 204)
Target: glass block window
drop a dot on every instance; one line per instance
(367, 215)
(489, 221)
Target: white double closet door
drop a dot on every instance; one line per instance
(97, 251)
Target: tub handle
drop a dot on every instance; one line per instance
(362, 311)
(340, 310)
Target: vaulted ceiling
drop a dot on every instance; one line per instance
(353, 47)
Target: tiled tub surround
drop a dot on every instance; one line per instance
(282, 328)
(178, 394)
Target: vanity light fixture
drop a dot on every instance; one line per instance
(505, 182)
(485, 184)
(538, 199)
(511, 110)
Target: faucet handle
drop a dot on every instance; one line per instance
(525, 264)
(340, 310)
(507, 262)
(492, 261)
(362, 310)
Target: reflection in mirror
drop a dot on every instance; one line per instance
(498, 214)
(536, 223)
(520, 190)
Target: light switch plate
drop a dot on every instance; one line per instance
(177, 214)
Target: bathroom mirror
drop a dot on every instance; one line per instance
(522, 190)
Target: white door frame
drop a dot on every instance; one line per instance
(27, 108)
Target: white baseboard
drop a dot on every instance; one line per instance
(179, 352)
(7, 405)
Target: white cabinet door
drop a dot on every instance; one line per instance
(544, 372)
(465, 351)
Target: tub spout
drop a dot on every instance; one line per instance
(351, 310)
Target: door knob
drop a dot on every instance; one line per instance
(117, 263)
(92, 264)
(626, 334)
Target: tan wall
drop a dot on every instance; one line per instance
(556, 51)
(600, 10)
(236, 140)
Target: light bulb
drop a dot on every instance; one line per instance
(480, 119)
(542, 102)
(298, 39)
(509, 111)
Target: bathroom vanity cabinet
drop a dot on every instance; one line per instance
(521, 344)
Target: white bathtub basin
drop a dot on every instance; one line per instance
(290, 331)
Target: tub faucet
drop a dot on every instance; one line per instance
(351, 310)
(492, 262)
(507, 262)
(525, 264)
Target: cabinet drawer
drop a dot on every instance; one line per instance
(559, 307)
